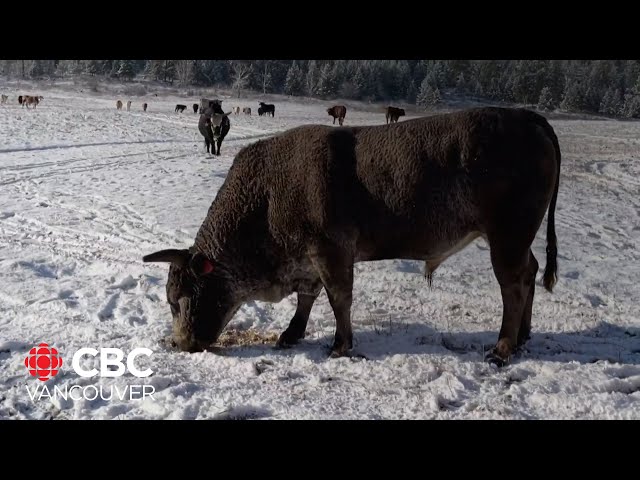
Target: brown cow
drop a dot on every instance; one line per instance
(129, 105)
(31, 100)
(246, 110)
(393, 114)
(119, 105)
(339, 112)
(298, 210)
(144, 107)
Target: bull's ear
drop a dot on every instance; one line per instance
(200, 265)
(177, 257)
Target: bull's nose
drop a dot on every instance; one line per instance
(191, 345)
(186, 344)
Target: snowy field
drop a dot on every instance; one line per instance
(86, 191)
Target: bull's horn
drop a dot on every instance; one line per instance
(178, 257)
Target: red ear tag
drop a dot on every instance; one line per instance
(207, 267)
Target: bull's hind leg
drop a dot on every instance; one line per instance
(335, 268)
(512, 266)
(525, 325)
(296, 329)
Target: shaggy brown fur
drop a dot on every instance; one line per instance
(119, 105)
(297, 211)
(339, 112)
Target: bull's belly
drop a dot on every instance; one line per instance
(432, 252)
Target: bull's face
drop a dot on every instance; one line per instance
(201, 301)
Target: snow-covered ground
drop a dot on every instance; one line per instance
(86, 191)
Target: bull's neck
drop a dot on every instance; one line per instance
(235, 234)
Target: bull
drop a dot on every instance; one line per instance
(298, 210)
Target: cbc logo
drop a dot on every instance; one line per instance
(44, 362)
(106, 362)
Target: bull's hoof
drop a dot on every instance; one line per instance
(338, 351)
(337, 354)
(494, 359)
(288, 339)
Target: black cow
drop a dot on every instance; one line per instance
(267, 108)
(214, 127)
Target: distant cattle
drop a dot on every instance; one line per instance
(195, 108)
(214, 126)
(31, 100)
(180, 108)
(236, 110)
(339, 112)
(268, 108)
(119, 105)
(129, 105)
(144, 107)
(246, 111)
(393, 114)
(4, 98)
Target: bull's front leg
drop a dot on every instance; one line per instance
(298, 325)
(335, 268)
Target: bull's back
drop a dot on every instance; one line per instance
(398, 188)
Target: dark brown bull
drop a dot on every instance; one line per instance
(339, 112)
(297, 211)
(31, 100)
(393, 114)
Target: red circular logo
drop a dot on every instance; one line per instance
(43, 362)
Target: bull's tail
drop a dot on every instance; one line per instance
(549, 277)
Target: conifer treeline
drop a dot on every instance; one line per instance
(610, 87)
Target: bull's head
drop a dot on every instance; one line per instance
(201, 300)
